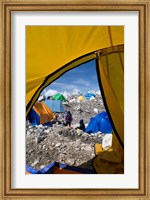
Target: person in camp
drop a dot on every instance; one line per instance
(68, 119)
(81, 125)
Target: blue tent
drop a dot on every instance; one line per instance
(55, 105)
(89, 95)
(99, 123)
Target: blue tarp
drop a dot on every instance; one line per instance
(100, 123)
(89, 95)
(55, 105)
(46, 170)
(34, 118)
(49, 169)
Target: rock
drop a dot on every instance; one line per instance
(78, 142)
(72, 134)
(70, 161)
(60, 132)
(28, 133)
(35, 163)
(41, 126)
(63, 146)
(88, 148)
(31, 130)
(46, 131)
(39, 139)
(52, 144)
(36, 140)
(58, 144)
(78, 149)
(79, 133)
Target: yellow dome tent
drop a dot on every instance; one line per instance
(81, 98)
(53, 50)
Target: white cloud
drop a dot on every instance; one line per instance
(50, 92)
(75, 91)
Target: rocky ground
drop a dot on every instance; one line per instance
(45, 145)
(74, 147)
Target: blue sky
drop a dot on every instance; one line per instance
(80, 79)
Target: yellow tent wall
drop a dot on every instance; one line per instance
(111, 75)
(49, 48)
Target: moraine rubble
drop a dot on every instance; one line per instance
(45, 145)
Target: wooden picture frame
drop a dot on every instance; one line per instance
(7, 6)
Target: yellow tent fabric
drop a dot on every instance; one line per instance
(110, 66)
(81, 98)
(44, 112)
(109, 161)
(53, 50)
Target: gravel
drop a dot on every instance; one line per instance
(71, 146)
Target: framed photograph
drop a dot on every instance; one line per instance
(74, 99)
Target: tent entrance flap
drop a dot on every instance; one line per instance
(111, 79)
(112, 87)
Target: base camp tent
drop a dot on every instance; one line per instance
(81, 98)
(100, 123)
(53, 50)
(40, 114)
(58, 97)
(90, 95)
(55, 105)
